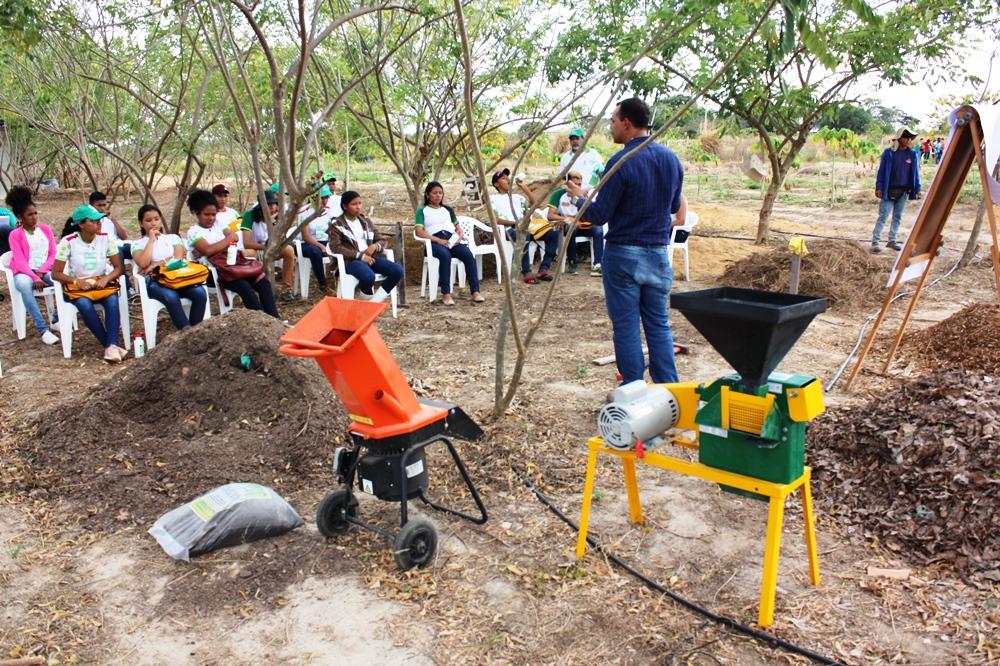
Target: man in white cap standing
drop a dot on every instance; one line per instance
(897, 181)
(589, 163)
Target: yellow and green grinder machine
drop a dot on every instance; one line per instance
(750, 426)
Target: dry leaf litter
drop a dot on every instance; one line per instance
(918, 469)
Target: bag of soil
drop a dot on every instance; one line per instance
(227, 516)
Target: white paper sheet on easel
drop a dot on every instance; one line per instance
(989, 122)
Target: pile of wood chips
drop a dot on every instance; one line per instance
(968, 339)
(918, 469)
(843, 272)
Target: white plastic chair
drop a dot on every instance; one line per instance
(469, 226)
(690, 222)
(580, 239)
(19, 312)
(223, 306)
(304, 267)
(151, 307)
(429, 272)
(346, 284)
(217, 290)
(68, 316)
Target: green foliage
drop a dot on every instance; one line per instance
(848, 116)
(21, 23)
(688, 125)
(842, 141)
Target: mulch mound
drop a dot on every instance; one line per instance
(968, 339)
(842, 271)
(918, 469)
(187, 418)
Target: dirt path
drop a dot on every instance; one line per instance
(510, 591)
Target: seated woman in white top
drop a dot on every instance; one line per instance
(315, 237)
(82, 260)
(438, 223)
(156, 248)
(207, 238)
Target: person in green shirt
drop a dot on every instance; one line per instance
(256, 235)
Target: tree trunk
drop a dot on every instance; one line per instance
(501, 362)
(973, 242)
(779, 171)
(764, 220)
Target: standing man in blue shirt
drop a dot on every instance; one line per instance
(636, 202)
(897, 181)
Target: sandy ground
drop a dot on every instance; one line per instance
(510, 591)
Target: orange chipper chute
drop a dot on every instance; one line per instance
(390, 427)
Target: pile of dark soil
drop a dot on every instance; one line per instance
(842, 271)
(186, 418)
(968, 339)
(919, 469)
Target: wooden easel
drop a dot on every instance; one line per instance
(917, 255)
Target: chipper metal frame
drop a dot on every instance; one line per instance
(390, 428)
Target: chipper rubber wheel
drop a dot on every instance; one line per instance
(415, 544)
(331, 516)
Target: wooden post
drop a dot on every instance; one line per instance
(798, 247)
(400, 243)
(796, 267)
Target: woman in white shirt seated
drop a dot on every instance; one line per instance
(81, 261)
(207, 238)
(156, 248)
(438, 223)
(315, 236)
(354, 236)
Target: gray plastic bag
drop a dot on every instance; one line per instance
(227, 516)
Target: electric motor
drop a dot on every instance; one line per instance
(637, 412)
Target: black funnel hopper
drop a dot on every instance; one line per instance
(751, 329)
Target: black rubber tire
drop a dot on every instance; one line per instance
(415, 544)
(330, 515)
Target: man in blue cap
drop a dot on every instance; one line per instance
(589, 163)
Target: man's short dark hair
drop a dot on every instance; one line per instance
(97, 196)
(635, 111)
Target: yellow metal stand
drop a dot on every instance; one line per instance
(776, 492)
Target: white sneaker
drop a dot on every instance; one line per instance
(380, 296)
(362, 296)
(54, 326)
(111, 355)
(122, 353)
(49, 338)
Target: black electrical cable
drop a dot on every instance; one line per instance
(729, 623)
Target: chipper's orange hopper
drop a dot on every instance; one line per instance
(390, 427)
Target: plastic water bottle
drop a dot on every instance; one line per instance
(139, 345)
(231, 253)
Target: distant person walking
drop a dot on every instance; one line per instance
(897, 181)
